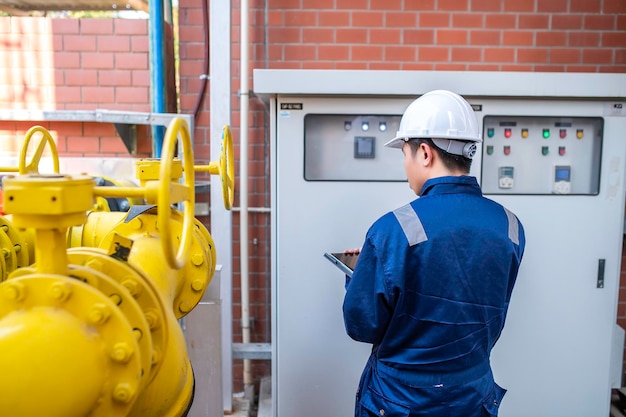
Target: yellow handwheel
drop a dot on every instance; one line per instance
(171, 193)
(33, 166)
(227, 168)
(224, 168)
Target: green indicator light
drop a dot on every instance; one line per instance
(489, 150)
(544, 149)
(490, 132)
(546, 133)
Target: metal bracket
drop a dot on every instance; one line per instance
(128, 133)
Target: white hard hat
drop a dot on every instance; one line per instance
(443, 116)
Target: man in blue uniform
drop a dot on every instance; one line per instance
(433, 281)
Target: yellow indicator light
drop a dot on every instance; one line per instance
(579, 133)
(524, 133)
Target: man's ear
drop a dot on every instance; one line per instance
(426, 153)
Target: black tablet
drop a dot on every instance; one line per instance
(343, 261)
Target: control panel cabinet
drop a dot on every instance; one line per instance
(557, 164)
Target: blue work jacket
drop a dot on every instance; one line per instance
(433, 282)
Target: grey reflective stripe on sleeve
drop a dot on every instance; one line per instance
(411, 225)
(513, 227)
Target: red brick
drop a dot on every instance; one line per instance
(83, 144)
(584, 39)
(452, 5)
(599, 22)
(620, 56)
(300, 52)
(318, 4)
(130, 26)
(192, 51)
(516, 67)
(307, 18)
(614, 39)
(584, 6)
(97, 60)
(400, 53)
(486, 5)
(386, 5)
(275, 18)
(614, 6)
(612, 68)
(347, 35)
(80, 43)
(597, 56)
(549, 68)
(113, 43)
(450, 67)
(384, 36)
(65, 26)
(552, 6)
(422, 5)
(139, 44)
(96, 26)
(98, 94)
(433, 53)
(317, 35)
(347, 4)
(333, 52)
(113, 145)
(521, 38)
(533, 21)
(565, 55)
(352, 65)
(191, 34)
(131, 61)
(582, 68)
(621, 22)
(500, 21)
(466, 54)
(401, 19)
(552, 38)
(467, 20)
(285, 35)
(116, 78)
(67, 59)
(451, 37)
(333, 18)
(419, 36)
(537, 55)
(68, 94)
(132, 95)
(439, 20)
(81, 77)
(569, 21)
(485, 37)
(483, 67)
(367, 53)
(519, 5)
(367, 19)
(499, 55)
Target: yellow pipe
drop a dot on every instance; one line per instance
(50, 251)
(48, 352)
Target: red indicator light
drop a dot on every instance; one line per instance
(507, 150)
(507, 133)
(562, 133)
(561, 150)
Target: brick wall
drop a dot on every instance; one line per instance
(74, 64)
(472, 35)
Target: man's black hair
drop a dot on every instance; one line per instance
(450, 161)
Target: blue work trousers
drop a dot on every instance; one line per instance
(389, 394)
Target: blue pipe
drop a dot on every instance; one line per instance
(157, 71)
